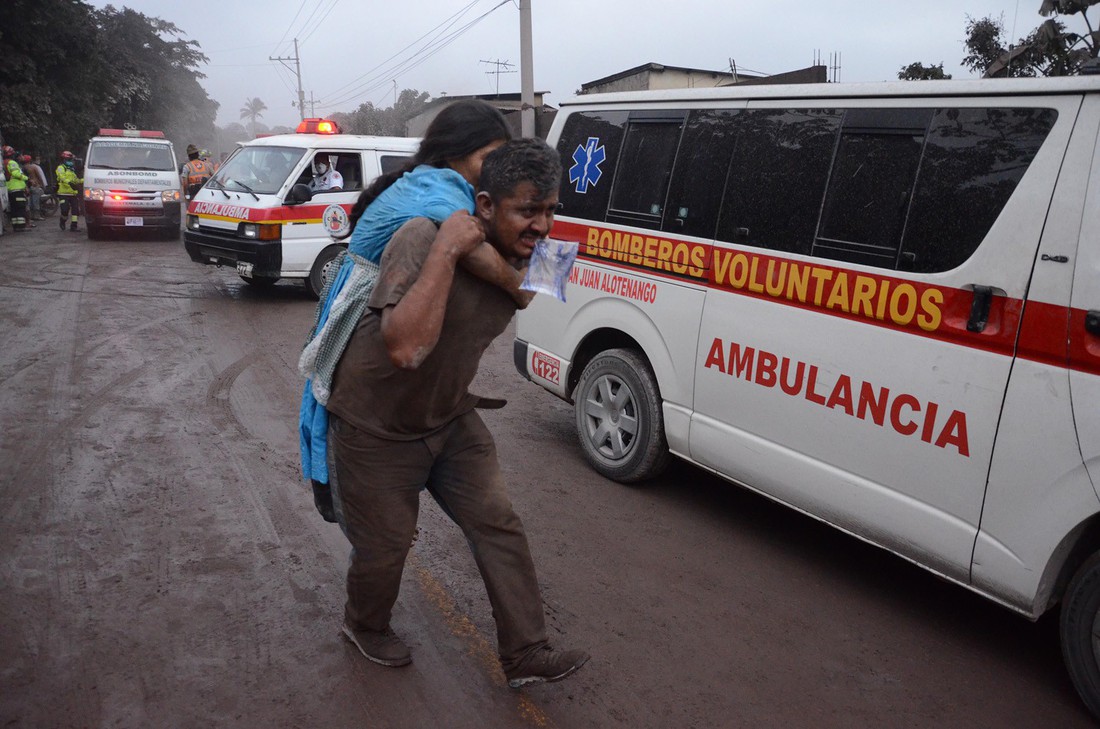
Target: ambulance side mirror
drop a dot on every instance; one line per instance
(299, 194)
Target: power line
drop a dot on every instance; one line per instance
(306, 23)
(413, 61)
(448, 23)
(320, 21)
(285, 32)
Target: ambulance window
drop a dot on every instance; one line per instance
(391, 162)
(973, 161)
(589, 149)
(777, 178)
(332, 171)
(699, 175)
(644, 169)
(870, 186)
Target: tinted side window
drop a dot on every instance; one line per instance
(699, 176)
(777, 178)
(869, 189)
(643, 171)
(391, 162)
(589, 149)
(973, 161)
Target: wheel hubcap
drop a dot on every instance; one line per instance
(328, 271)
(611, 417)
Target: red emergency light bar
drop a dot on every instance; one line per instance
(129, 133)
(317, 126)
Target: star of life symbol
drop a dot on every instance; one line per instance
(586, 168)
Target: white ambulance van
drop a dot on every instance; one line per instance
(263, 214)
(131, 182)
(878, 304)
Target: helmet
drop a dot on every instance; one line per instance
(8, 151)
(66, 154)
(192, 149)
(25, 159)
(203, 153)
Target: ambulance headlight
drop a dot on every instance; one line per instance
(170, 195)
(192, 222)
(93, 194)
(261, 231)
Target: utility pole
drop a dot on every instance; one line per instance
(298, 74)
(499, 65)
(313, 105)
(526, 71)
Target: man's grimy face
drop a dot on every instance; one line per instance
(515, 222)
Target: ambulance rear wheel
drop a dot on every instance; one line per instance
(619, 422)
(1080, 632)
(324, 268)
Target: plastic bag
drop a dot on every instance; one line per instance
(548, 271)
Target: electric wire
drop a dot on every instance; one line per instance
(276, 51)
(320, 22)
(447, 23)
(414, 61)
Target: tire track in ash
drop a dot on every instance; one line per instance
(54, 435)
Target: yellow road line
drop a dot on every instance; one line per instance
(476, 645)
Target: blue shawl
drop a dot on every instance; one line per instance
(424, 192)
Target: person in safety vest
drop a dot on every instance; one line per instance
(195, 172)
(68, 191)
(17, 189)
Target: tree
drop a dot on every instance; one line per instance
(252, 110)
(1048, 50)
(155, 76)
(70, 69)
(919, 72)
(370, 119)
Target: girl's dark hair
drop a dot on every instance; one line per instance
(459, 129)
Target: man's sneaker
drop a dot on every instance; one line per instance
(545, 665)
(382, 647)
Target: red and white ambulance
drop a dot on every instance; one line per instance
(878, 304)
(271, 210)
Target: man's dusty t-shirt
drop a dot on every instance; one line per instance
(372, 394)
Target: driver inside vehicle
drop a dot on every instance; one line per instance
(325, 176)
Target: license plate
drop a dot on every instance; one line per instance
(135, 221)
(244, 268)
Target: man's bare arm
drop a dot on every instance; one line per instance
(410, 329)
(486, 263)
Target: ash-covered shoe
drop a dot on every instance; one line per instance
(545, 665)
(383, 647)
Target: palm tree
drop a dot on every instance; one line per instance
(252, 110)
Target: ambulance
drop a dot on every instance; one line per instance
(131, 182)
(265, 213)
(878, 304)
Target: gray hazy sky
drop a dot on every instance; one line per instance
(353, 51)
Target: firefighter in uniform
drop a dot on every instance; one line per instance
(195, 172)
(17, 189)
(68, 184)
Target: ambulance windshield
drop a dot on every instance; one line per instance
(130, 154)
(261, 170)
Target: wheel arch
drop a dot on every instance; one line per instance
(628, 327)
(1076, 547)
